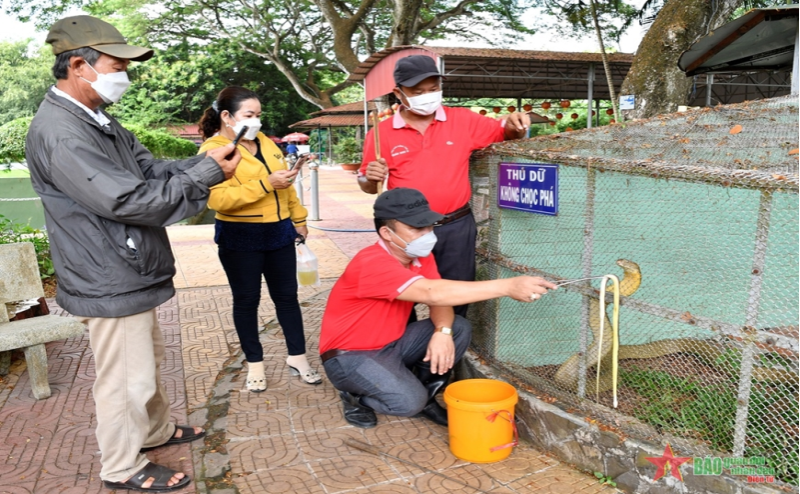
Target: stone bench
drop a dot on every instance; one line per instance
(19, 280)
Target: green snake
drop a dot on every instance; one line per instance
(567, 374)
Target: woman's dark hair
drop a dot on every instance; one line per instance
(229, 99)
(90, 55)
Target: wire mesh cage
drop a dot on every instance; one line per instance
(697, 213)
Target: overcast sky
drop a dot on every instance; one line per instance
(15, 30)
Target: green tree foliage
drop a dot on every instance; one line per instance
(12, 140)
(25, 78)
(179, 83)
(315, 44)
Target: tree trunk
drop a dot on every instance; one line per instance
(655, 80)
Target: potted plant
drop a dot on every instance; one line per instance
(348, 153)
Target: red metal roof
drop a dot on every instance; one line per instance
(189, 130)
(352, 120)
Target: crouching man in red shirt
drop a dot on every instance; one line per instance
(378, 361)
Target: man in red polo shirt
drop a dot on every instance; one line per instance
(367, 345)
(427, 146)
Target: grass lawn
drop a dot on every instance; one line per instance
(14, 173)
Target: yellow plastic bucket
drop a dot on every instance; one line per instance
(480, 413)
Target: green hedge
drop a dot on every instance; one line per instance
(161, 143)
(12, 140)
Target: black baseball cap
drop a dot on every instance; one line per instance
(408, 206)
(410, 71)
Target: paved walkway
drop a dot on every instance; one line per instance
(290, 439)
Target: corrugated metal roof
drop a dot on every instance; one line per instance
(760, 39)
(501, 73)
(357, 107)
(353, 120)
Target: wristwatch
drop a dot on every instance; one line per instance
(443, 330)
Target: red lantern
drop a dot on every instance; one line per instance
(568, 129)
(482, 112)
(610, 111)
(496, 109)
(511, 109)
(593, 113)
(552, 124)
(565, 103)
(546, 105)
(527, 107)
(612, 121)
(574, 116)
(559, 116)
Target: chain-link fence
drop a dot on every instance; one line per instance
(697, 213)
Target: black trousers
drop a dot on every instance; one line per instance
(244, 271)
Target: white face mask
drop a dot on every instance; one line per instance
(424, 104)
(419, 247)
(253, 126)
(110, 86)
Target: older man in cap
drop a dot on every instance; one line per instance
(427, 146)
(372, 355)
(106, 202)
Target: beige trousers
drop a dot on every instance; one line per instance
(131, 401)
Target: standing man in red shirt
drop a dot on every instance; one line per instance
(427, 146)
(367, 345)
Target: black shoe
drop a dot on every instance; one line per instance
(433, 383)
(357, 414)
(435, 412)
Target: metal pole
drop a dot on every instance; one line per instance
(597, 113)
(709, 83)
(330, 146)
(586, 261)
(314, 192)
(590, 96)
(795, 63)
(751, 319)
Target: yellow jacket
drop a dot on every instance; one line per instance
(248, 196)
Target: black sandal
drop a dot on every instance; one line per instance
(187, 436)
(159, 473)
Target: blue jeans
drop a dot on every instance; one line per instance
(383, 377)
(278, 267)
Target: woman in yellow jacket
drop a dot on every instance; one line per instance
(258, 219)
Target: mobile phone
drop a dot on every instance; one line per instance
(300, 157)
(236, 141)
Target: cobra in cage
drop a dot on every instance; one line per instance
(697, 214)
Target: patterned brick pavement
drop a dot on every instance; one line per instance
(290, 439)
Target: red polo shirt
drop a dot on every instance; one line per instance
(435, 163)
(363, 312)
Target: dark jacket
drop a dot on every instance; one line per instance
(100, 187)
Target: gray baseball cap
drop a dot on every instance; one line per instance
(80, 31)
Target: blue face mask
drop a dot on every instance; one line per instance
(419, 247)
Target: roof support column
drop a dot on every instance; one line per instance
(709, 83)
(366, 107)
(795, 62)
(590, 96)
